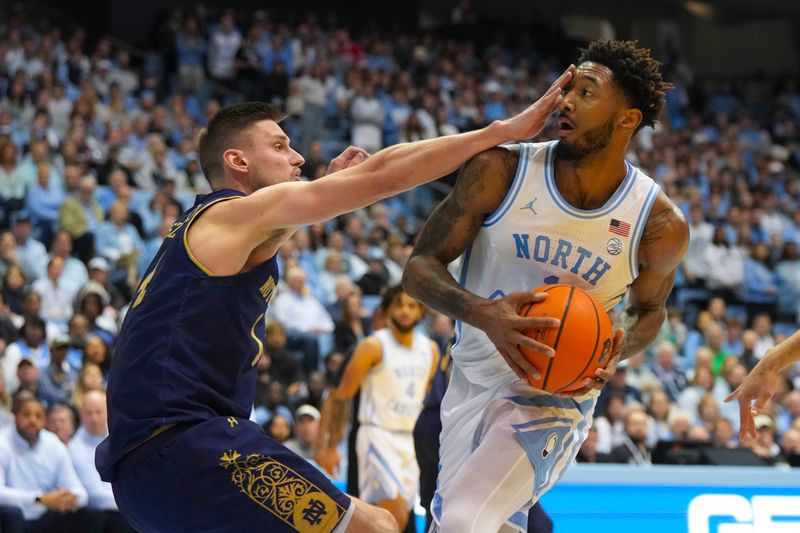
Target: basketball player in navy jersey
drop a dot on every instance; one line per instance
(570, 211)
(181, 452)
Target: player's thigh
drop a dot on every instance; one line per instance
(227, 475)
(496, 481)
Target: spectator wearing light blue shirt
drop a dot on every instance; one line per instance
(119, 242)
(94, 428)
(31, 253)
(37, 477)
(43, 203)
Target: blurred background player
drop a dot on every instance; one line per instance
(393, 368)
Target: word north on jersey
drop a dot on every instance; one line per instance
(562, 254)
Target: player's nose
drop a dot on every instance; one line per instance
(297, 159)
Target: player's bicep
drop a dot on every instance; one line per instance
(480, 189)
(365, 357)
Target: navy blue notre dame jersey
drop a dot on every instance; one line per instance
(189, 344)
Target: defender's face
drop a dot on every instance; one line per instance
(270, 159)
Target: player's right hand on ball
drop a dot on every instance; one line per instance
(328, 458)
(501, 322)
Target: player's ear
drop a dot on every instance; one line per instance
(235, 159)
(630, 119)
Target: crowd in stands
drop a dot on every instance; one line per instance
(97, 160)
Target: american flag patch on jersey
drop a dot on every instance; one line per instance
(619, 227)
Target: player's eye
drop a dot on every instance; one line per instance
(278, 146)
(586, 92)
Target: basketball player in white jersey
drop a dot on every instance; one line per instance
(568, 211)
(393, 368)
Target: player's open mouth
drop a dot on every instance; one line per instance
(565, 126)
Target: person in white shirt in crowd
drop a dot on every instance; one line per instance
(75, 274)
(303, 316)
(368, 115)
(31, 253)
(37, 478)
(94, 428)
(762, 325)
(31, 345)
(672, 379)
(223, 44)
(639, 376)
(60, 421)
(610, 427)
(56, 299)
(700, 235)
(306, 431)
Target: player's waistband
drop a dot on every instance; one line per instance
(154, 444)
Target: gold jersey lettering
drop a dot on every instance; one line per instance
(267, 289)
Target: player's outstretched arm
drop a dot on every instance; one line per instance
(479, 191)
(336, 410)
(661, 249)
(762, 383)
(234, 228)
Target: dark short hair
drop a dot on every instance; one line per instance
(636, 73)
(223, 130)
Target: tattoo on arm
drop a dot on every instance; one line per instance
(452, 227)
(641, 327)
(656, 225)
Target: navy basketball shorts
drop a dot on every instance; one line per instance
(225, 475)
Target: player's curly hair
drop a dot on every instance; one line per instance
(636, 73)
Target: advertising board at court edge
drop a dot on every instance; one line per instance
(733, 513)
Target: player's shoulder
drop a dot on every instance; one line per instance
(666, 234)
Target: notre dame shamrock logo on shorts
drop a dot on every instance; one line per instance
(283, 492)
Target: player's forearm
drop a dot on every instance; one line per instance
(641, 328)
(335, 414)
(782, 355)
(404, 166)
(427, 279)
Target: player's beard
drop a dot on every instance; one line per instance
(402, 328)
(588, 144)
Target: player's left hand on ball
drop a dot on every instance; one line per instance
(602, 375)
(349, 158)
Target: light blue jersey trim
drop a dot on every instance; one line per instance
(616, 199)
(520, 520)
(371, 451)
(638, 228)
(462, 280)
(513, 191)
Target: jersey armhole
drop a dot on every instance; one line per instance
(638, 230)
(513, 190)
(194, 215)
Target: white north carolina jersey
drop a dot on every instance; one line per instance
(393, 391)
(536, 238)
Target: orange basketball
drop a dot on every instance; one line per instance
(582, 341)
